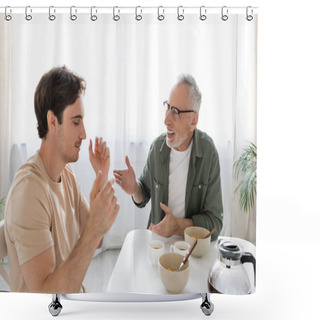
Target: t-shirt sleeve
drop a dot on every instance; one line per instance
(29, 221)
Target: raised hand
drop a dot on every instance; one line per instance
(126, 179)
(103, 206)
(100, 158)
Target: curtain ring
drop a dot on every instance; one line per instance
(180, 16)
(93, 17)
(116, 17)
(138, 16)
(249, 16)
(224, 13)
(51, 15)
(160, 16)
(28, 16)
(7, 16)
(73, 16)
(203, 13)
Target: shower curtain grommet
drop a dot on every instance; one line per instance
(160, 16)
(93, 17)
(180, 15)
(203, 13)
(224, 13)
(73, 16)
(138, 16)
(116, 17)
(28, 16)
(52, 17)
(249, 16)
(7, 16)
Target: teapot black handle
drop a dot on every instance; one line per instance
(248, 257)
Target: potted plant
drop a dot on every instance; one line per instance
(2, 204)
(246, 174)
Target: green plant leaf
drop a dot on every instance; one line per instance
(245, 169)
(2, 204)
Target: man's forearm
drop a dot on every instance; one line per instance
(183, 223)
(137, 196)
(68, 277)
(84, 217)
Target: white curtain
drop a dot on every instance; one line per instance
(130, 67)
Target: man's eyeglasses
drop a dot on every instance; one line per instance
(174, 110)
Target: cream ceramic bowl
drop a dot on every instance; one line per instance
(198, 233)
(174, 281)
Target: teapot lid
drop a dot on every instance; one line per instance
(230, 250)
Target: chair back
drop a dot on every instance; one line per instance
(3, 252)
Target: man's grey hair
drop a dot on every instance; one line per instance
(194, 91)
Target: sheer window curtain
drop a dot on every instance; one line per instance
(130, 67)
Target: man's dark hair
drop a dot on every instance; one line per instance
(57, 89)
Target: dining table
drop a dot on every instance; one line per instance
(135, 273)
(135, 279)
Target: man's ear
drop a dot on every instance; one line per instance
(194, 121)
(52, 121)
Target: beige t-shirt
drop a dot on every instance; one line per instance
(40, 213)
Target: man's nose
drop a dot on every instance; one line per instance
(168, 117)
(83, 134)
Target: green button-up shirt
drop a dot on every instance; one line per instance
(203, 191)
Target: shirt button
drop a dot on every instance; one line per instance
(156, 186)
(199, 186)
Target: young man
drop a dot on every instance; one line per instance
(182, 173)
(51, 233)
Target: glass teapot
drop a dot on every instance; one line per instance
(228, 274)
